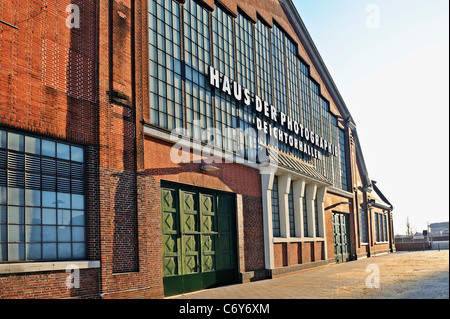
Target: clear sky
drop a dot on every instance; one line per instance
(390, 62)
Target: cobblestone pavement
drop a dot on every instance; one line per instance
(403, 275)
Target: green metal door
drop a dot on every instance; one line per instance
(341, 237)
(199, 239)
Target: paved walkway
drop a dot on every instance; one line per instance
(403, 275)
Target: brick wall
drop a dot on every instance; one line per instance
(48, 87)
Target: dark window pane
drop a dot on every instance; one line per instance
(48, 199)
(48, 216)
(3, 211)
(78, 217)
(63, 151)
(33, 251)
(16, 215)
(64, 217)
(64, 251)
(16, 142)
(63, 200)
(49, 251)
(3, 252)
(77, 154)
(3, 138)
(16, 252)
(77, 201)
(32, 197)
(3, 234)
(32, 145)
(15, 196)
(33, 233)
(32, 215)
(78, 234)
(48, 233)
(48, 148)
(16, 233)
(78, 251)
(3, 195)
(63, 234)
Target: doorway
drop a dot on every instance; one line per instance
(199, 238)
(341, 232)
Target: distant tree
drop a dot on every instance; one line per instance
(409, 229)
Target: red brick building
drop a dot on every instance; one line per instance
(101, 198)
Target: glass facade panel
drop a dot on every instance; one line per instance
(291, 212)
(316, 118)
(293, 87)
(305, 218)
(377, 227)
(279, 77)
(43, 176)
(199, 110)
(363, 226)
(326, 131)
(305, 95)
(316, 218)
(186, 39)
(343, 159)
(246, 77)
(225, 104)
(337, 182)
(166, 109)
(275, 208)
(263, 62)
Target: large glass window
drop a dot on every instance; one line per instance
(246, 77)
(305, 100)
(377, 227)
(275, 208)
(337, 182)
(185, 39)
(197, 61)
(343, 159)
(291, 212)
(327, 158)
(381, 227)
(363, 226)
(223, 55)
(166, 110)
(263, 64)
(305, 218)
(42, 203)
(316, 118)
(279, 74)
(316, 217)
(279, 77)
(293, 86)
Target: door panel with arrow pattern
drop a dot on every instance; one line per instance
(199, 238)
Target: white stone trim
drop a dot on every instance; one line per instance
(16, 268)
(279, 240)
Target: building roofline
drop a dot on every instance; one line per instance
(315, 56)
(380, 194)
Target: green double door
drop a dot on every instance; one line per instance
(341, 231)
(199, 239)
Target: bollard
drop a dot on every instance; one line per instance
(439, 247)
